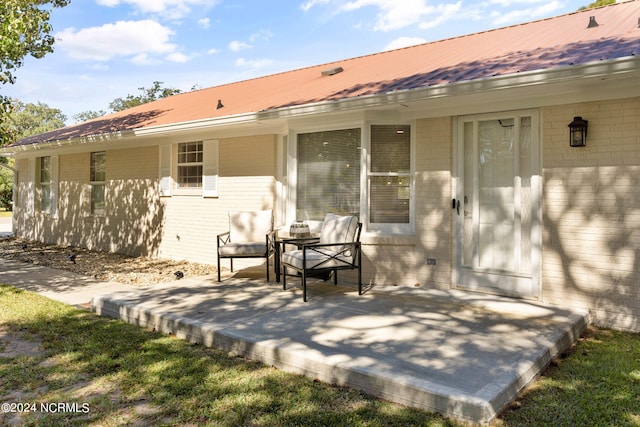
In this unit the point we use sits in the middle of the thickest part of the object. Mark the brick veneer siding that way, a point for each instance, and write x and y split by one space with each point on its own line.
591 212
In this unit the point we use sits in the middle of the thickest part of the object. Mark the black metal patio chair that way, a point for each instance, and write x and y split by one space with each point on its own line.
251 235
338 248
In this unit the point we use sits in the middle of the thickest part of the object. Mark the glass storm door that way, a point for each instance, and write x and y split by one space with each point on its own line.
497 209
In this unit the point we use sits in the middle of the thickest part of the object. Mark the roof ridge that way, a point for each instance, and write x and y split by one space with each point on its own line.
381 71
522 24
462 36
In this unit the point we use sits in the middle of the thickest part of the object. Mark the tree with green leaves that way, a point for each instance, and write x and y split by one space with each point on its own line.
148 95
25 120
24 30
33 119
598 3
88 115
6 184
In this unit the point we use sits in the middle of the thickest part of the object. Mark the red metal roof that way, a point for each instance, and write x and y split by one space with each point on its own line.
563 41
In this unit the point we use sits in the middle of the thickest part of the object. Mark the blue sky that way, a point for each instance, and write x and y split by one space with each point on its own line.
107 49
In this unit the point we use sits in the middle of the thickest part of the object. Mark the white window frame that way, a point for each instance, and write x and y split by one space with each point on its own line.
94 184
44 186
168 185
191 148
365 128
390 228
34 188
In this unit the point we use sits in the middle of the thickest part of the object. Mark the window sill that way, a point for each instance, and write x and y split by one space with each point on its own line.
187 192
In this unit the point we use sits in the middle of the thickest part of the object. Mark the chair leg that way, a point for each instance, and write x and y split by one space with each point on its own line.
284 278
267 267
218 268
359 272
304 285
335 277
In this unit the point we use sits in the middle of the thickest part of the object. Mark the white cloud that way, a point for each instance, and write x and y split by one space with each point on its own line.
261 35
253 63
404 42
204 23
392 14
237 46
141 59
444 13
172 9
510 3
311 3
395 14
528 14
135 39
177 57
213 51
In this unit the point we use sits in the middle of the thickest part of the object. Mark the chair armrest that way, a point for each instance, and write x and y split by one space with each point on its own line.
222 240
319 245
271 239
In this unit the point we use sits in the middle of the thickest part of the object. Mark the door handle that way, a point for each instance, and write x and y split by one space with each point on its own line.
455 204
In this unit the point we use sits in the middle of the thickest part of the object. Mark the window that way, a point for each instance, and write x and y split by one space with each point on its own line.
189 169
190 163
44 183
97 182
332 168
390 178
328 173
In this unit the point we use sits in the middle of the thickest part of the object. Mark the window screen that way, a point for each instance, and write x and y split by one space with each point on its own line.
390 175
328 173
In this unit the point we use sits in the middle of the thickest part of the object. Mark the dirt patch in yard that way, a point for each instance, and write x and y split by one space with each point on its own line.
15 345
138 271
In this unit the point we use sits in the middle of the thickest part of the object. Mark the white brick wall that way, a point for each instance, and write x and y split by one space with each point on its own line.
591 209
246 182
403 260
591 254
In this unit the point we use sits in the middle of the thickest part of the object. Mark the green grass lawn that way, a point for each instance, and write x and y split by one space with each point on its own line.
119 374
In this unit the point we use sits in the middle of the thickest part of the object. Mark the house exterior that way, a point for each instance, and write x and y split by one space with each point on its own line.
455 154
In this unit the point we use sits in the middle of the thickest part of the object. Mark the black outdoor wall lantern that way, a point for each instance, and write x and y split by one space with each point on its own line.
578 132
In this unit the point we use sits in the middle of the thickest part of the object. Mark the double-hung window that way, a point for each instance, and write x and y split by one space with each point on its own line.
190 158
97 172
390 177
189 169
44 184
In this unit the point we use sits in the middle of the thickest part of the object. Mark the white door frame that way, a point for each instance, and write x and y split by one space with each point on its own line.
526 285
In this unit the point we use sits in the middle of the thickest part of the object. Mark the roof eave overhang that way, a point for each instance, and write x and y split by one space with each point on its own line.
627 67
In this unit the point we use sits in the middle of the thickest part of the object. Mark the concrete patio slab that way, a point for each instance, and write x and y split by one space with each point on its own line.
466 355
461 354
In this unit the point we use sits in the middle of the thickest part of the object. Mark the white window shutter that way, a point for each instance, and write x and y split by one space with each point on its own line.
54 186
210 168
166 182
31 188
